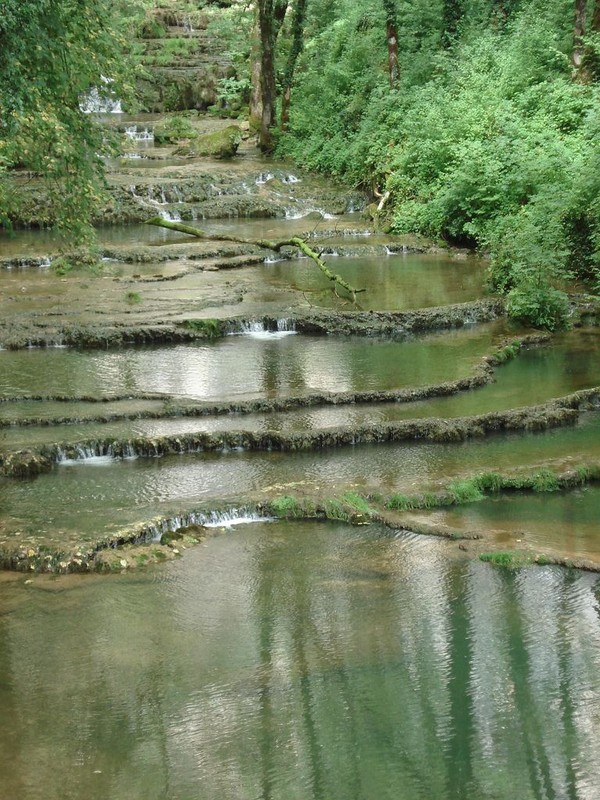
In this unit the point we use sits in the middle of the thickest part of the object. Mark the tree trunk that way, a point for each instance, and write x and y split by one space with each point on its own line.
392 41
290 67
286 99
266 23
590 69
596 17
255 115
266 244
578 34
453 12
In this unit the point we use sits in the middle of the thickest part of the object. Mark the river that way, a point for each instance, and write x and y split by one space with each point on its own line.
296 659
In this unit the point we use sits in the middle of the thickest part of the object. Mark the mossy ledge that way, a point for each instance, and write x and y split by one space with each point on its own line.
170 535
482 375
555 413
518 559
356 323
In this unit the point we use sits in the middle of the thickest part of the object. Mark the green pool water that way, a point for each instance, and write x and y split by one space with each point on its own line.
302 661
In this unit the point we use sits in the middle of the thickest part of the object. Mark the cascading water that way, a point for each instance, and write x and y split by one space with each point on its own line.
262 330
139 135
96 102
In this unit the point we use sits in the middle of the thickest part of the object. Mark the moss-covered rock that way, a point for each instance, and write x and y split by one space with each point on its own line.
173 130
219 144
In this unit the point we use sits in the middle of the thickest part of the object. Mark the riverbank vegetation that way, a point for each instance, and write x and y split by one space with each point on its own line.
487 137
474 122
56 58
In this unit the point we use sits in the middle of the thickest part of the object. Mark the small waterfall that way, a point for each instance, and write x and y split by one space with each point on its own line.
214 519
236 516
143 135
289 214
286 325
395 250
95 103
291 179
261 330
295 214
150 202
272 260
171 216
95 454
263 178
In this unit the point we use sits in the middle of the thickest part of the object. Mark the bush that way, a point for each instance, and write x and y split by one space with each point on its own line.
542 307
488 143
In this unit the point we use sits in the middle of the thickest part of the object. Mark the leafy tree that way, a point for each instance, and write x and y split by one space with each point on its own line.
297 43
52 52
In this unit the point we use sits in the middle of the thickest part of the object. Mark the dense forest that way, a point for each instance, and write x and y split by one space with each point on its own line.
471 121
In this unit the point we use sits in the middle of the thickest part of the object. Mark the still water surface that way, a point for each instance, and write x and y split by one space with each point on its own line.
305 661
243 367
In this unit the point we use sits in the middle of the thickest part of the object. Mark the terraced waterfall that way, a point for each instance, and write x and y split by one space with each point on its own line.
148 410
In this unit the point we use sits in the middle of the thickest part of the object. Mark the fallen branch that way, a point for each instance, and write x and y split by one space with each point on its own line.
266 244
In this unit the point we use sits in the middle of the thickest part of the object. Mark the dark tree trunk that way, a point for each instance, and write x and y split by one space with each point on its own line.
290 67
591 56
270 16
596 17
392 41
452 15
266 24
255 78
578 34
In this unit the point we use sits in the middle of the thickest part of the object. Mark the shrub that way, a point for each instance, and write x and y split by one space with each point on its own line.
465 491
540 306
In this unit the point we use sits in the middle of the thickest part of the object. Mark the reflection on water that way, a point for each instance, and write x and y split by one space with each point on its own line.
394 283
536 376
240 366
309 661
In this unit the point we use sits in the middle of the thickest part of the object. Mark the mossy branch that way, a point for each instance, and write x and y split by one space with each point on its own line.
266 244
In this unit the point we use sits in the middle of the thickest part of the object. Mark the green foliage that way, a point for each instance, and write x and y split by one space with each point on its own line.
335 510
52 52
209 328
286 506
233 91
86 259
170 50
487 141
465 491
357 502
545 481
402 502
543 306
490 482
62 266
133 298
507 353
174 129
507 560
